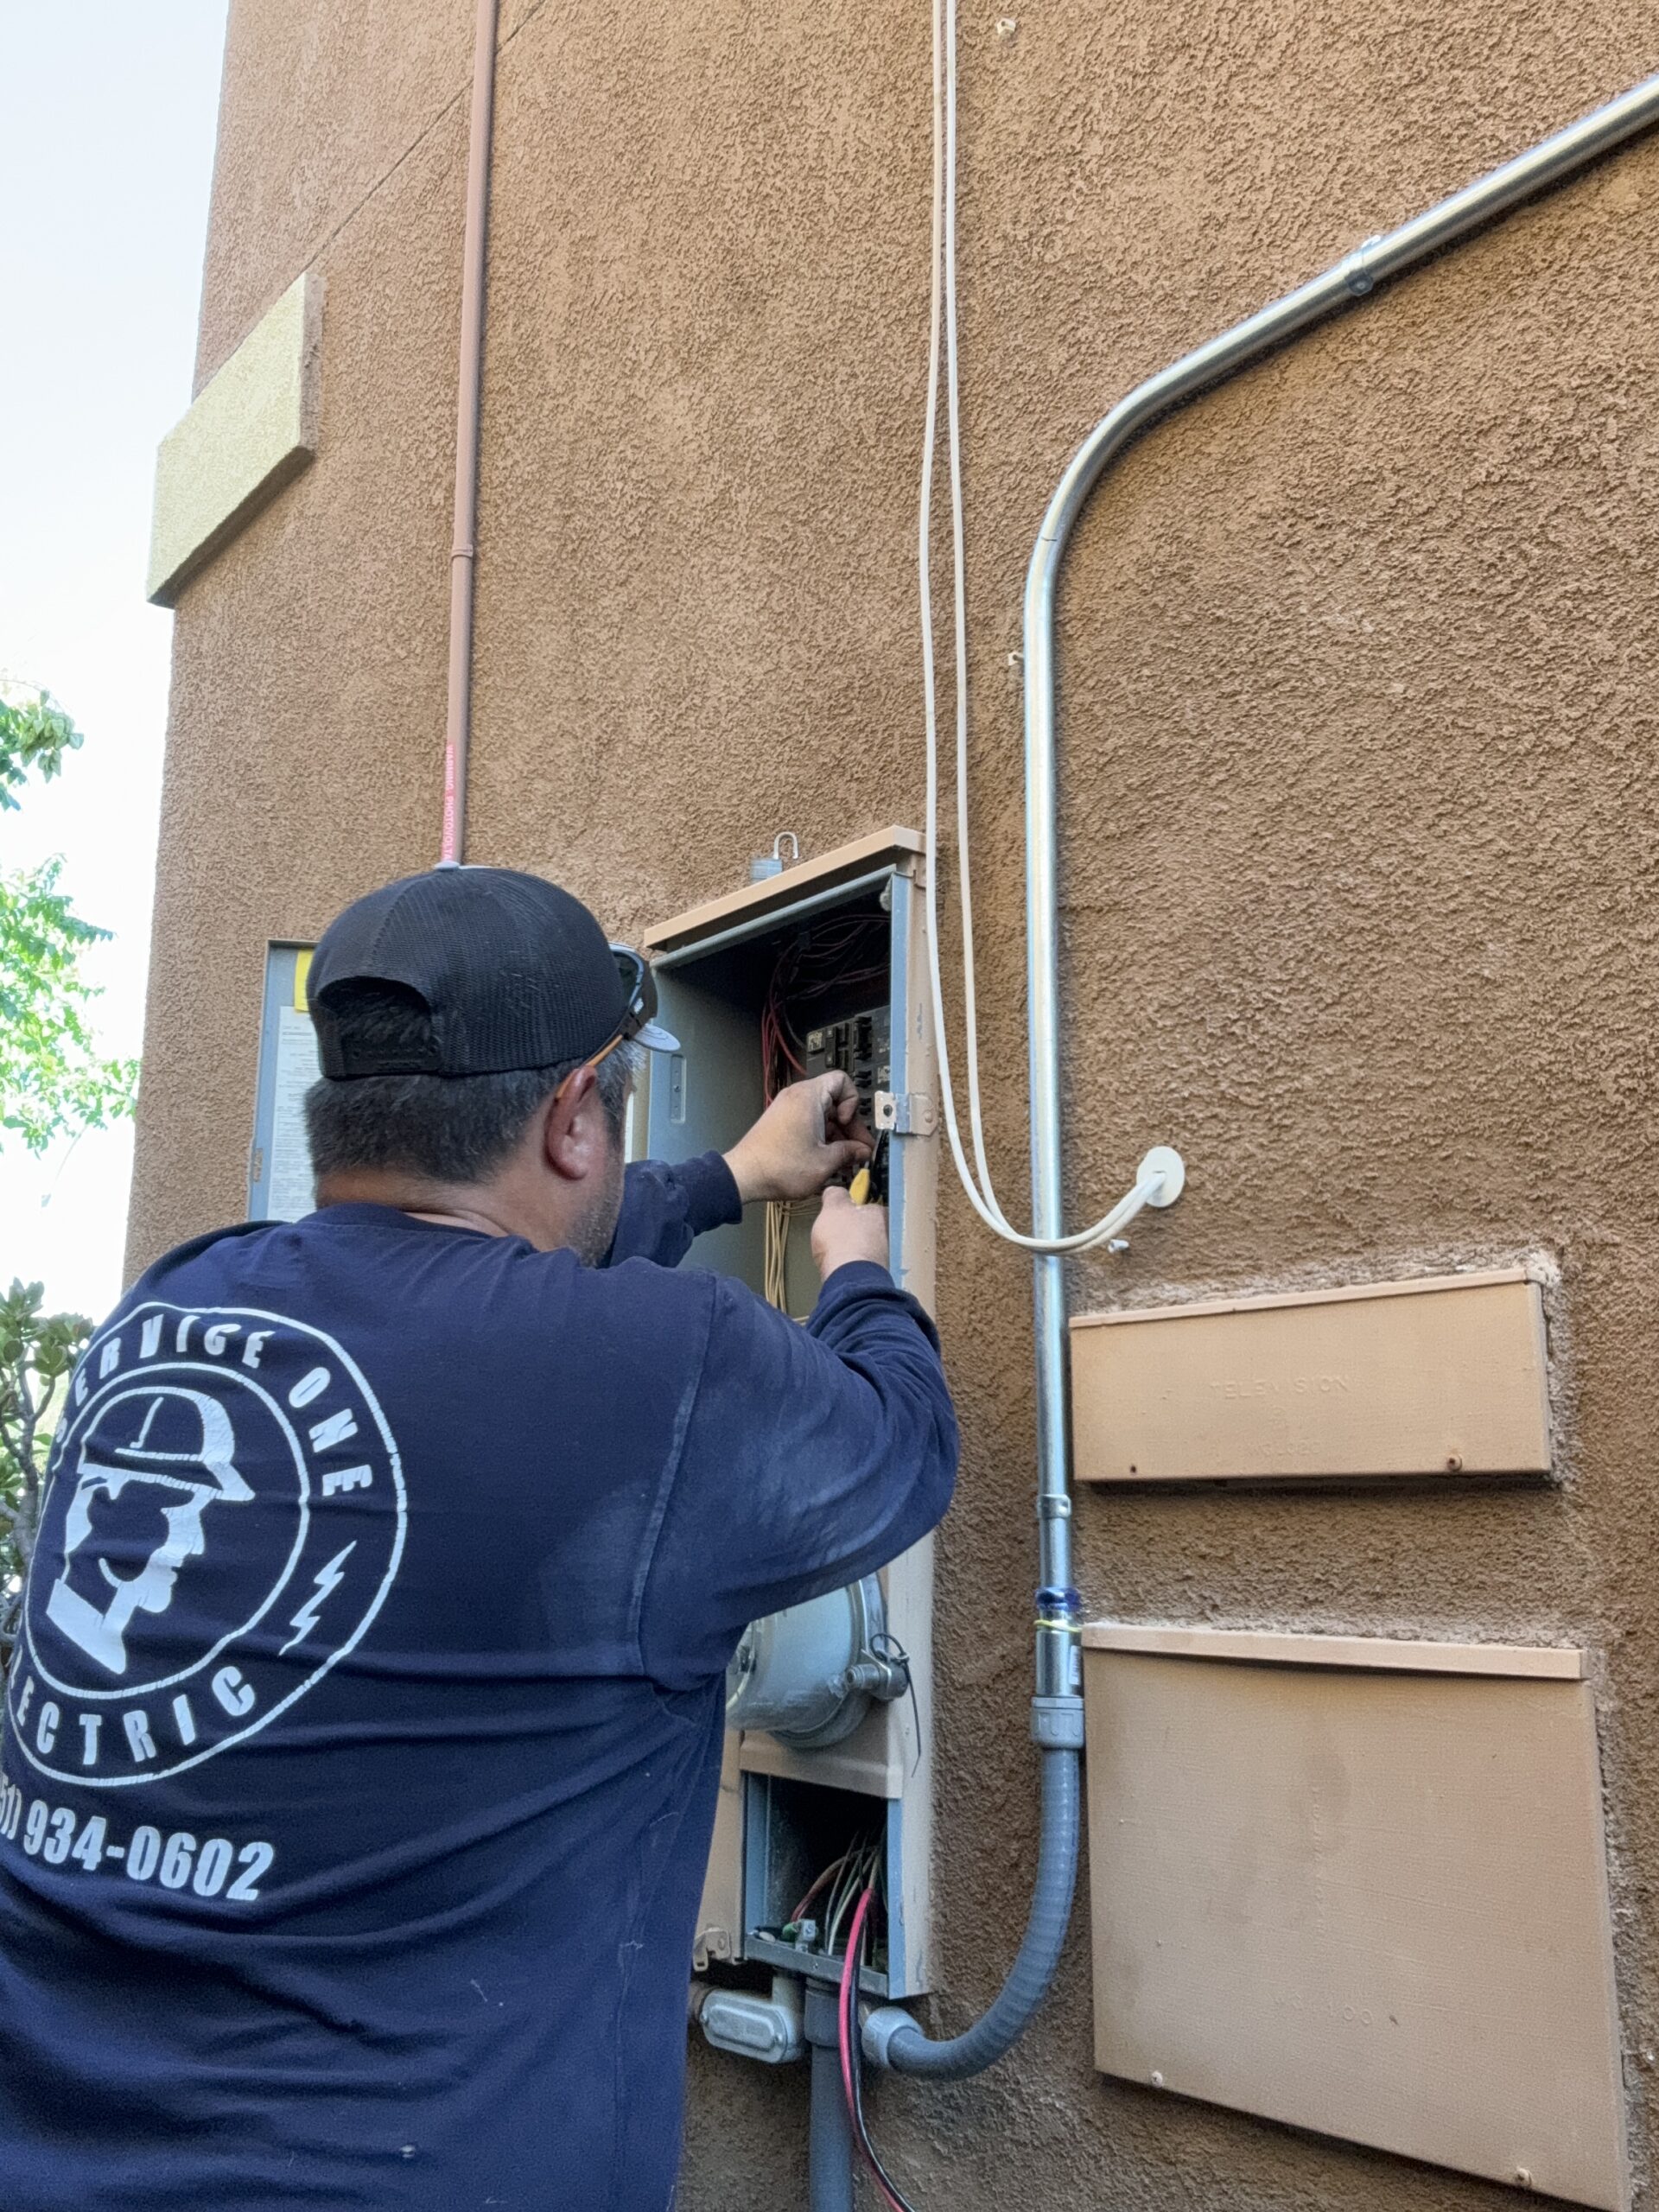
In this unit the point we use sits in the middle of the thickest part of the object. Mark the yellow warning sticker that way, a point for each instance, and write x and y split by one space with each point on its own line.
302 970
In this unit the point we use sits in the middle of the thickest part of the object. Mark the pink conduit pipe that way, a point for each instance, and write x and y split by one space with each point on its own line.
458 727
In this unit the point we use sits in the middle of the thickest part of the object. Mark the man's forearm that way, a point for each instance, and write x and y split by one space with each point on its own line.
664 1207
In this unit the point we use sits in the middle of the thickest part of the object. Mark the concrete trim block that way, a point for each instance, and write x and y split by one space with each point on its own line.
252 428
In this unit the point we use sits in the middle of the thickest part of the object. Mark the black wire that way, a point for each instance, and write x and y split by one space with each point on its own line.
855 2067
888 1647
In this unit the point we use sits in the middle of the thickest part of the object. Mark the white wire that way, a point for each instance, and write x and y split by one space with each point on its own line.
941 339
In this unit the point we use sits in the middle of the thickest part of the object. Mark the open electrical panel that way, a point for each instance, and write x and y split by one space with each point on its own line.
823 966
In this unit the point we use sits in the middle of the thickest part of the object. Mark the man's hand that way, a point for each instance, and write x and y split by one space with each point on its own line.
808 1134
844 1232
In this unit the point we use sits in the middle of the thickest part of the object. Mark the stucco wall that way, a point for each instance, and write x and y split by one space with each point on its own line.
1361 826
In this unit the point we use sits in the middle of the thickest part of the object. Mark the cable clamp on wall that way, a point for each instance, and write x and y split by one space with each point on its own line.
1355 269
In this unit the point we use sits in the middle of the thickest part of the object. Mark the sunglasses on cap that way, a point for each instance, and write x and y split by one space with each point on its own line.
638 1014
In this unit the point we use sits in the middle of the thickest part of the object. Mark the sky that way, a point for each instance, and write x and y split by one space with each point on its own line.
105 164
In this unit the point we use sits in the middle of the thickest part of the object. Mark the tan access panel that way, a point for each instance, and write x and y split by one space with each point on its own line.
1368 1902
1445 1374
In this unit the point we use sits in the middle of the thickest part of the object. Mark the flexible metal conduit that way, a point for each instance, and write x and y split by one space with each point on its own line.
892 2039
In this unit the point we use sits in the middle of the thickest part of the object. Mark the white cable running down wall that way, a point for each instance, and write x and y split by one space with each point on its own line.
942 341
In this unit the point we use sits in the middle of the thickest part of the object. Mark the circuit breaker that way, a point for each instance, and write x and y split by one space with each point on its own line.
861 1047
828 1761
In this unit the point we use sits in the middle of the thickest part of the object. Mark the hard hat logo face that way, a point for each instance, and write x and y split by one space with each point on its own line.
223 1518
127 1445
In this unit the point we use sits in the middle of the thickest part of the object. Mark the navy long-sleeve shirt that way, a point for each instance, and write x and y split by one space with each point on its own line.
363 1740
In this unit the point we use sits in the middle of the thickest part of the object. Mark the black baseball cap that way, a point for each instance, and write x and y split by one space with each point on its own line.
510 972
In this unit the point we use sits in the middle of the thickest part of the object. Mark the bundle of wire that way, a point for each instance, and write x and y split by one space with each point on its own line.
831 958
975 1176
852 2054
780 1212
859 1868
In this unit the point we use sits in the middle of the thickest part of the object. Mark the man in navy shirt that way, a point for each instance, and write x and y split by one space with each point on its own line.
363 1737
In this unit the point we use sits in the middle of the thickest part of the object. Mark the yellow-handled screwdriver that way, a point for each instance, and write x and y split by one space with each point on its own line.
861 1187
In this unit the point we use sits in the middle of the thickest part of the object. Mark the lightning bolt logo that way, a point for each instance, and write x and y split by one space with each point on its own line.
329 1579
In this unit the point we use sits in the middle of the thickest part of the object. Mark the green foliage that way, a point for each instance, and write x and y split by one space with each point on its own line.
52 1077
35 735
37 1355
52 1080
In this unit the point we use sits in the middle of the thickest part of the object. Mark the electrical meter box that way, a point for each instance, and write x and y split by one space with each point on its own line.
821 966
279 1160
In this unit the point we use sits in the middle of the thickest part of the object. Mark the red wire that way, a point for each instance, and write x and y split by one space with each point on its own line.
847 2006
848 1993
808 970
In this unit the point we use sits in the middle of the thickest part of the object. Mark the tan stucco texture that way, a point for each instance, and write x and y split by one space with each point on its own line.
1360 808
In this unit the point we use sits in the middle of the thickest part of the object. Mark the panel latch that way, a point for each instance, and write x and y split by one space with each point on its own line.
905 1113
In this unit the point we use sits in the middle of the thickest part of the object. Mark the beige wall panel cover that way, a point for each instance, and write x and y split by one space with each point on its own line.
1437 1376
252 428
1374 1904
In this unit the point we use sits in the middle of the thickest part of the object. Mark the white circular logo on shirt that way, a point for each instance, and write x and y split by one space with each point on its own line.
223 1519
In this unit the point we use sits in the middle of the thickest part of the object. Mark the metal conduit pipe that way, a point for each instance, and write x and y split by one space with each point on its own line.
463 552
1351 279
891 2036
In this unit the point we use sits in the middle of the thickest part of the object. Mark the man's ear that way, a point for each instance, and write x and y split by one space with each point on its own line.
574 1132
